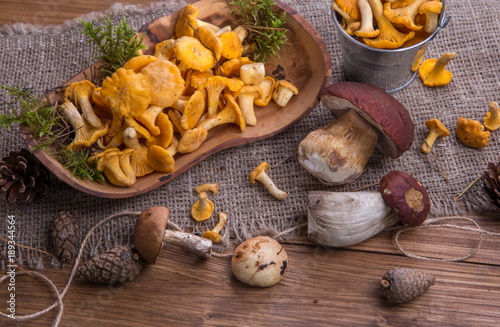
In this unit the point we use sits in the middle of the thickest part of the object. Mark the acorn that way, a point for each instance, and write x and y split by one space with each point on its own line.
401 285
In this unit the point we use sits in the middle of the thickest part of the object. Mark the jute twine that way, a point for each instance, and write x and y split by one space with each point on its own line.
429 223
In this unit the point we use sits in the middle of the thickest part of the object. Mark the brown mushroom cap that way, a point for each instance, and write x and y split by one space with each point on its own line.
407 196
377 107
150 231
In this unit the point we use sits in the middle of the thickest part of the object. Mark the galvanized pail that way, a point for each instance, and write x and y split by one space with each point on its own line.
390 69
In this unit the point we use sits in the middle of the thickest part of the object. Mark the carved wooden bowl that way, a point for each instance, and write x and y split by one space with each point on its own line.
304 61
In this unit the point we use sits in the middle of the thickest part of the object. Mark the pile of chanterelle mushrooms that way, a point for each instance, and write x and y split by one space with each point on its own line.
156 106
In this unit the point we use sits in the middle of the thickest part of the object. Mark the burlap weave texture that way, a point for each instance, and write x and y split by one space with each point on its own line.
44 58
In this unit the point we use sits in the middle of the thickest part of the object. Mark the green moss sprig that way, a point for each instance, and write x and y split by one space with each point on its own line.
264 25
47 127
116 44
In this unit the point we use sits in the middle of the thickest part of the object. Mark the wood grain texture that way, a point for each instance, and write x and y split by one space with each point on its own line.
322 287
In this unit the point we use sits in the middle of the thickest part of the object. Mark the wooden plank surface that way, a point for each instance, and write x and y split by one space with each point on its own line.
322 287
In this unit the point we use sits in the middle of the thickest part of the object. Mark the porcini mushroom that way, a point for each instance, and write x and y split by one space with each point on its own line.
433 71
260 174
214 234
492 118
338 153
340 219
436 129
259 261
151 232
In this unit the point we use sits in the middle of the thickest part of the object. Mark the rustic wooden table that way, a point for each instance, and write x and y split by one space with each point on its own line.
322 287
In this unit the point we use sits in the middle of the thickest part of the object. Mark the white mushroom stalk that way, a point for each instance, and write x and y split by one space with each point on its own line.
340 219
196 245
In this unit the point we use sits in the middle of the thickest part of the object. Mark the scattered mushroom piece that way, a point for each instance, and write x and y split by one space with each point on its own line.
433 71
138 158
337 153
389 37
193 54
366 29
203 208
471 133
151 232
85 134
340 219
259 261
165 81
127 94
404 16
431 10
214 234
283 92
212 187
260 174
80 93
436 129
492 118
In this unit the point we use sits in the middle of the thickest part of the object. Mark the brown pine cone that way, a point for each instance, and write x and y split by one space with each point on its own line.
22 177
491 183
65 237
117 265
401 285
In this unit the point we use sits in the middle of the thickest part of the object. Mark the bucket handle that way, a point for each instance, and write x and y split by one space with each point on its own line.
445 19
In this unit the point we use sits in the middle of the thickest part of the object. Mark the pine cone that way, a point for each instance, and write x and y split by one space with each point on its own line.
22 177
491 183
401 285
65 237
120 264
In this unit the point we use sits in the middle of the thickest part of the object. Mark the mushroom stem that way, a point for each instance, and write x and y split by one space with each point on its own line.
429 141
442 61
199 246
270 186
221 223
338 153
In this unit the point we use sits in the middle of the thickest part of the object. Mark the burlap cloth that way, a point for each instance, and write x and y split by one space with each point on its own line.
44 58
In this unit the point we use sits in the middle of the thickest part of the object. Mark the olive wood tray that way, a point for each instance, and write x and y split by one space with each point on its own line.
304 61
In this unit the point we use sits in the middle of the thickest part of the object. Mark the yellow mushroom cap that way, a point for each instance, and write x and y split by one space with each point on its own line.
210 40
213 236
193 54
165 81
137 63
263 167
231 45
471 133
203 208
433 72
160 159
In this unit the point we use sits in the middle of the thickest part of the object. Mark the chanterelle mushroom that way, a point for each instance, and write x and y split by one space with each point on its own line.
260 261
433 71
471 133
436 129
151 232
341 219
259 173
80 94
338 153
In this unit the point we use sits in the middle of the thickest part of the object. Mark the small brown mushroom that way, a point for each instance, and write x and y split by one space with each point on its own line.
367 118
260 261
151 232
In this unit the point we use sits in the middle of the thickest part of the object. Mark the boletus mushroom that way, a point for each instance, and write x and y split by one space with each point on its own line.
259 261
151 232
340 219
367 117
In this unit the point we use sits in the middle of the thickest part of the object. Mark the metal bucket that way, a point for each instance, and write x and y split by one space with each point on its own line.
390 69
